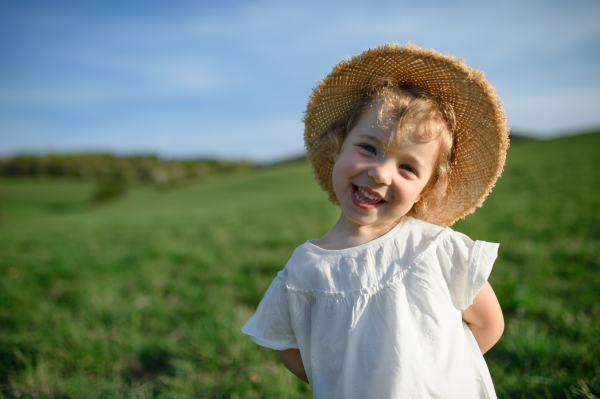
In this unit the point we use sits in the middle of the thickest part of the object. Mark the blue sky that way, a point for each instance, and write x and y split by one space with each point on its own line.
231 79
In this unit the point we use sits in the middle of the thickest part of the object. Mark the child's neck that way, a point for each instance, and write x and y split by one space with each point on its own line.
345 234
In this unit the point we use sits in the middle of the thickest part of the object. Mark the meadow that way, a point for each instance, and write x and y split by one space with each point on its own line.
145 296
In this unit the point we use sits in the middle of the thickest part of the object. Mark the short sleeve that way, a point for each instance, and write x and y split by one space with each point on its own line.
466 265
271 325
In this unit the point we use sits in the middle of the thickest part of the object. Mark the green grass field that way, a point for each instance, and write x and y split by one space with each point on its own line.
145 296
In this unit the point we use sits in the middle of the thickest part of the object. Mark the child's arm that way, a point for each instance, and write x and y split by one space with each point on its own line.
292 360
484 318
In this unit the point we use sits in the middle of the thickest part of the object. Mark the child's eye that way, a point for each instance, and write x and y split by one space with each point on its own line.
407 168
369 148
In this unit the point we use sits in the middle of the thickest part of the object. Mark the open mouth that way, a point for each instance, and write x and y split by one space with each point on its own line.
364 197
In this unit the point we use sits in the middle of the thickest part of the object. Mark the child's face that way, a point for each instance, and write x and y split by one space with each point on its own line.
375 186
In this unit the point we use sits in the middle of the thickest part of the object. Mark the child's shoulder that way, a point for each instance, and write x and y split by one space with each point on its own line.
423 228
429 235
305 255
303 271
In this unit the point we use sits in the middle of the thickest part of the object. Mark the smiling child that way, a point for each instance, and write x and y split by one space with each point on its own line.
391 302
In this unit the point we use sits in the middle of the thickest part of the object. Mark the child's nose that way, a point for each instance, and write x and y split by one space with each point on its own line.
382 172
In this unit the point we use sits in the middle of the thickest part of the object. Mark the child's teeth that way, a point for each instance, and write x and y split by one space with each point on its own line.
358 197
369 196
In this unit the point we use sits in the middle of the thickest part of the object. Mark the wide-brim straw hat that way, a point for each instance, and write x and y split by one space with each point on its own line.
481 131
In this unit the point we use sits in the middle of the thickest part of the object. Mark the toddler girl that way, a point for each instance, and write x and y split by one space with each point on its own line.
392 303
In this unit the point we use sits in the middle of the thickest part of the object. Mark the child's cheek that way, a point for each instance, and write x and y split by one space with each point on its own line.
336 180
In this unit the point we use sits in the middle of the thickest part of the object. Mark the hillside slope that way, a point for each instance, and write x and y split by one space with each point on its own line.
145 296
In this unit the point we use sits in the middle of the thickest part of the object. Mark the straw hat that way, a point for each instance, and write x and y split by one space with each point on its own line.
481 134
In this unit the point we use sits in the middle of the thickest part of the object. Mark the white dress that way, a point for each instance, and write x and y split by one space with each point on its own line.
382 319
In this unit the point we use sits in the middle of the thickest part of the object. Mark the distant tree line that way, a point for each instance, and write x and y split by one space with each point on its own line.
145 169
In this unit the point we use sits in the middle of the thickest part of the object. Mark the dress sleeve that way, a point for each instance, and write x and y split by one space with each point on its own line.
466 265
271 325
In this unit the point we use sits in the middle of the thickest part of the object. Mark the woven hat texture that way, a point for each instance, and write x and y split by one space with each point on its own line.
481 131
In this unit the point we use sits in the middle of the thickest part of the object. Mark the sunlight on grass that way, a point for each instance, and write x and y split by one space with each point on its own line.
145 296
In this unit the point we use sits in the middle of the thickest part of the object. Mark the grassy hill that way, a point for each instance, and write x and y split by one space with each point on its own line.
145 296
